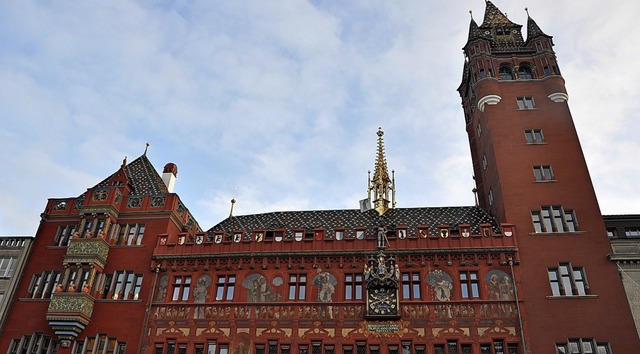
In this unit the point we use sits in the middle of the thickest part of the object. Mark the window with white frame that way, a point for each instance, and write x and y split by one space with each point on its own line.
583 346
543 173
525 102
567 280
534 136
7 266
554 218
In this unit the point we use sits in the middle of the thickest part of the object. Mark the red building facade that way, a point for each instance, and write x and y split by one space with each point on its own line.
530 170
124 267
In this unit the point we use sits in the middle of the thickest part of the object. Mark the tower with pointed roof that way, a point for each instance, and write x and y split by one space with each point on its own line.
529 169
383 187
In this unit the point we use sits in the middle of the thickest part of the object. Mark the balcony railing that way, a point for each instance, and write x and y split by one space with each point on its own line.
313 311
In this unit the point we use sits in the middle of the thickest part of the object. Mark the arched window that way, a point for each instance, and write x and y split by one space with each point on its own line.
525 72
506 73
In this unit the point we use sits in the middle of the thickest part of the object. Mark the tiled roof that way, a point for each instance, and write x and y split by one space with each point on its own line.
354 218
533 30
143 178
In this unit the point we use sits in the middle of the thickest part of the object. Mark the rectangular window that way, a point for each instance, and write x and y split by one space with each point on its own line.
478 129
225 287
121 285
297 286
469 285
485 163
534 136
566 280
554 219
583 346
7 266
128 234
490 197
43 285
211 347
353 286
411 286
525 102
543 173
181 288
632 232
347 349
65 232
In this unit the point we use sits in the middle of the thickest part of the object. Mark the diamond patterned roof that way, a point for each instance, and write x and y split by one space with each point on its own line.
143 178
350 219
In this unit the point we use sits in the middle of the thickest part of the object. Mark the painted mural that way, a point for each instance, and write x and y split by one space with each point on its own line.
201 290
442 284
326 283
500 285
259 290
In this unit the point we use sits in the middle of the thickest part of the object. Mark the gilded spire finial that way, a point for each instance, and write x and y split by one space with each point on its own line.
381 185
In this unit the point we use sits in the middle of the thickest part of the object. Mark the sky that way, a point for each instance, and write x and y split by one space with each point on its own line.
277 103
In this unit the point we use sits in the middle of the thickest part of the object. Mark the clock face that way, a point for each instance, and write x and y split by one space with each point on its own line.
383 302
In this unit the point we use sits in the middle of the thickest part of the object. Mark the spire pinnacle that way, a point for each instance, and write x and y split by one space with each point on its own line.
382 186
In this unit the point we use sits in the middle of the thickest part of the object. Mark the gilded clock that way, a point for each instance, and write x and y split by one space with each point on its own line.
383 301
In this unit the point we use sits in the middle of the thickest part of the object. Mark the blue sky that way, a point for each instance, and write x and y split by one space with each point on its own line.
276 103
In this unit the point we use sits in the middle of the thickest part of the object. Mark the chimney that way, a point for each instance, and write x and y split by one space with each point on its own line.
169 175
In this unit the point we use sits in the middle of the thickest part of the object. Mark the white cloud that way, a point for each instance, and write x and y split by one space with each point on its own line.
281 100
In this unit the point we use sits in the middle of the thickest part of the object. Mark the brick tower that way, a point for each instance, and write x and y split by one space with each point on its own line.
529 169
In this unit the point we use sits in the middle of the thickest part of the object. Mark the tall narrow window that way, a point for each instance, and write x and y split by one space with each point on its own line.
566 280
225 287
297 286
484 162
65 232
469 285
353 286
534 136
181 288
490 197
543 173
411 286
7 266
525 102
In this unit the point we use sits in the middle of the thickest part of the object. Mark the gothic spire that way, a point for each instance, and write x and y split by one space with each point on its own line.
533 30
493 16
382 186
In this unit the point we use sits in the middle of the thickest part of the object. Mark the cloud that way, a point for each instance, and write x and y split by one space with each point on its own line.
277 103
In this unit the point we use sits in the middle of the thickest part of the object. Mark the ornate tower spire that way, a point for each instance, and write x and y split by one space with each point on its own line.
383 187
